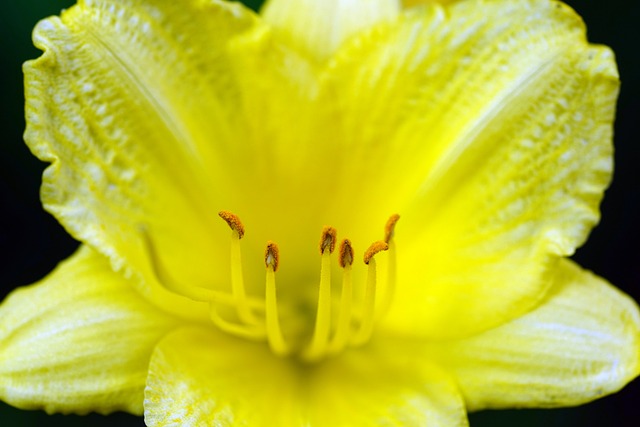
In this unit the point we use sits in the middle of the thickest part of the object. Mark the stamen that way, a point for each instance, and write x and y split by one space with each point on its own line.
274 333
258 319
320 339
363 334
389 291
237 280
343 329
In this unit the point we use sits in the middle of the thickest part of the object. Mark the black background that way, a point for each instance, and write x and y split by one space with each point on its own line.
33 243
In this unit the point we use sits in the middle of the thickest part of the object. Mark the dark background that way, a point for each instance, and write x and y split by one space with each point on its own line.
33 243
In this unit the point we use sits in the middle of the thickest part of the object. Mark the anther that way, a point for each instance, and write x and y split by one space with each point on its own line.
233 221
328 239
375 247
389 228
272 256
346 253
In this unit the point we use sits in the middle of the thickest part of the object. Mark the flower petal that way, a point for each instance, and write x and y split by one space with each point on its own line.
412 3
79 341
198 377
487 126
130 101
582 343
318 28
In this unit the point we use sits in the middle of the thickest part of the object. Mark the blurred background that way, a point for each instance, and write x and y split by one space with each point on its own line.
32 242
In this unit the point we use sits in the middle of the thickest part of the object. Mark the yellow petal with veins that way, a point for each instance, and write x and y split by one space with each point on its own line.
79 341
202 378
485 124
488 128
129 102
582 343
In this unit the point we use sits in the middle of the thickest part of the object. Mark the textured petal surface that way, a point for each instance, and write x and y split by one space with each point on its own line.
197 378
127 102
78 341
582 343
487 126
411 3
318 28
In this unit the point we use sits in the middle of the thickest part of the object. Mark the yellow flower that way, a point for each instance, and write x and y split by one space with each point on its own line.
486 125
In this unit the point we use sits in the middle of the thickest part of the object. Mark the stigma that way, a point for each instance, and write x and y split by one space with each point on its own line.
341 317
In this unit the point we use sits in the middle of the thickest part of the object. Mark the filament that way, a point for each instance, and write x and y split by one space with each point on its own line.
390 288
274 333
236 312
320 339
363 334
343 328
254 333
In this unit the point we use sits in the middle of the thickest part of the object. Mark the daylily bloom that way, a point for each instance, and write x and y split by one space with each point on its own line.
334 213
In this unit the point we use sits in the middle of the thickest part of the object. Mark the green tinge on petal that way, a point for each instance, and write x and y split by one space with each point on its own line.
488 127
582 343
199 378
78 341
318 28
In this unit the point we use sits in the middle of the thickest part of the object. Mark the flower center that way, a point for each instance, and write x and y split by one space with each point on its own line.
339 319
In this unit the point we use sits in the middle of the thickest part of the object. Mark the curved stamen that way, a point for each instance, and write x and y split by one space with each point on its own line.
274 333
237 281
390 288
320 339
363 334
196 293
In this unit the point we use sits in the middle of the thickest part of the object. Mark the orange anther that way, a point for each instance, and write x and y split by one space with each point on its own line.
375 247
346 253
272 255
328 239
233 221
